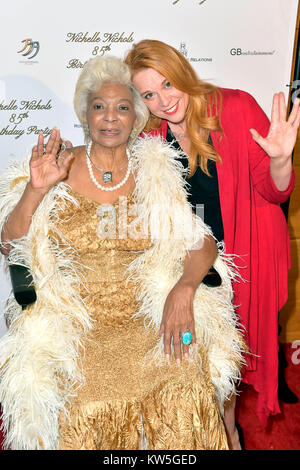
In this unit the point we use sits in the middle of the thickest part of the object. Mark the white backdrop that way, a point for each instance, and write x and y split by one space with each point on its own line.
232 43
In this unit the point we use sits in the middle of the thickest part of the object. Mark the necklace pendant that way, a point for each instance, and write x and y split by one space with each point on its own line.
107 177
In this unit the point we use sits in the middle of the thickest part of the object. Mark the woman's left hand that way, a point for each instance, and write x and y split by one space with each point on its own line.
282 135
178 318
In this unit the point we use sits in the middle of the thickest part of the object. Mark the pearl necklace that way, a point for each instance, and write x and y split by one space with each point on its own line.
99 186
106 171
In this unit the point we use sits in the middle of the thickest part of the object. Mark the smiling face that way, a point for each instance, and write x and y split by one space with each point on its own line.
110 115
162 99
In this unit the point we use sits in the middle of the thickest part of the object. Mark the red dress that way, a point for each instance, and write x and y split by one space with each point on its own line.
256 231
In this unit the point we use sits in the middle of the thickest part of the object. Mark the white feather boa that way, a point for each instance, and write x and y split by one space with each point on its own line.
162 197
40 353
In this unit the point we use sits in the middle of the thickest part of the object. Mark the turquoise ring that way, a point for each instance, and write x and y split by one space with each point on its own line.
186 338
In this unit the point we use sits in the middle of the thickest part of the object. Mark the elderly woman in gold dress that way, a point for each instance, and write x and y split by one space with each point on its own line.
125 347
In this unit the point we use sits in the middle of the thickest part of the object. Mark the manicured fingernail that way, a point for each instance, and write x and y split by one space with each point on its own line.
168 357
178 361
186 355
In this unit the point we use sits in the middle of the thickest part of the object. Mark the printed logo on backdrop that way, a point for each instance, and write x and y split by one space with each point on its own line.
18 112
30 50
237 51
18 116
184 52
101 43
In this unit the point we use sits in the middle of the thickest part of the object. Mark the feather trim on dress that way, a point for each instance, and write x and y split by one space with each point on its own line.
40 354
161 192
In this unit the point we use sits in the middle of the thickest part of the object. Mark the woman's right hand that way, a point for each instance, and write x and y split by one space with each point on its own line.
46 168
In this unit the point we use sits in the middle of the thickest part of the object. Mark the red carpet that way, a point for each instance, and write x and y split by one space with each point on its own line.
283 431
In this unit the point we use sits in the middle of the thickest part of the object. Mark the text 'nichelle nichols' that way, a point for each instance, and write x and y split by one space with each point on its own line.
106 37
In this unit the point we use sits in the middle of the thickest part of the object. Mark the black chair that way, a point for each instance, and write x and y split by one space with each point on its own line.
212 278
22 285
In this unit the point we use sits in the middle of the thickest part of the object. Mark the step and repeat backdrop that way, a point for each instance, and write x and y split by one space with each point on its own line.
231 43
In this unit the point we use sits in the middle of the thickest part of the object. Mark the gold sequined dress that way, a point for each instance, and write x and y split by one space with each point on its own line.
128 402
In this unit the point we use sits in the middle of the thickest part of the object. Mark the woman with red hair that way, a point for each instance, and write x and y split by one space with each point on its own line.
240 169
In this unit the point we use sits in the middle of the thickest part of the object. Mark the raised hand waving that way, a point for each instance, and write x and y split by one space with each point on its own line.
46 167
282 135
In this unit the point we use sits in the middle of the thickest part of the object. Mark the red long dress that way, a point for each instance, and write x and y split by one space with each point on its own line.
254 229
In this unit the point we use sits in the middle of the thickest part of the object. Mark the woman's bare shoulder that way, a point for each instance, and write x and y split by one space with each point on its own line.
78 150
76 170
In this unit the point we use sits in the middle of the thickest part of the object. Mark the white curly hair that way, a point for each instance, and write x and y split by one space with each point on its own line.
101 70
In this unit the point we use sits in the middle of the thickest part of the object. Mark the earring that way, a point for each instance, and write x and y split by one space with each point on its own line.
86 131
133 135
85 128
